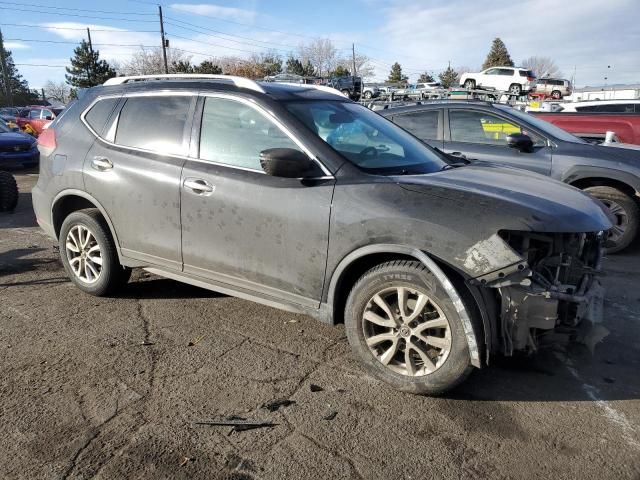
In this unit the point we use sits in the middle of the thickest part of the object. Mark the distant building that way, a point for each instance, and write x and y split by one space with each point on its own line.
608 92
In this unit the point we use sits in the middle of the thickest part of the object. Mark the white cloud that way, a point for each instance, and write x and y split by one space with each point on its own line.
16 46
229 13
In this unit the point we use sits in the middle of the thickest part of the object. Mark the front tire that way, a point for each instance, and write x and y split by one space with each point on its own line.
89 254
469 84
626 212
367 95
515 89
404 328
556 95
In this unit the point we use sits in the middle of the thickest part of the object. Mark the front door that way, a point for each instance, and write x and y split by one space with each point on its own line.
480 135
134 172
242 227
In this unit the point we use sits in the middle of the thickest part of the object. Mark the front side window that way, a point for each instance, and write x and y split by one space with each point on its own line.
154 123
234 133
369 141
491 71
35 114
423 125
474 126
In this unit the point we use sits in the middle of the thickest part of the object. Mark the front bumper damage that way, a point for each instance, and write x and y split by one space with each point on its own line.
554 287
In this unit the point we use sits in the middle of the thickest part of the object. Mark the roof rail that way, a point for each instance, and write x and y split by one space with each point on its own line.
240 82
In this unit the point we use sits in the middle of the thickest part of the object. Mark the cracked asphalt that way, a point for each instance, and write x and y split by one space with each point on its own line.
113 388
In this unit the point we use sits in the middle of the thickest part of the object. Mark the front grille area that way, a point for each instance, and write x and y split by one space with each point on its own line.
22 147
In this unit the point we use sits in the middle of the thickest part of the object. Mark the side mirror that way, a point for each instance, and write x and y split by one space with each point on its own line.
521 142
288 163
48 117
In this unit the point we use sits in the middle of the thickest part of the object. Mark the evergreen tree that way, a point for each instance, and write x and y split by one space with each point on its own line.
296 67
308 70
87 70
340 71
395 75
19 93
181 66
498 56
449 78
426 77
208 67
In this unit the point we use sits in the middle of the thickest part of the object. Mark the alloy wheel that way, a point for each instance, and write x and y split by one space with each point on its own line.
622 219
83 254
407 331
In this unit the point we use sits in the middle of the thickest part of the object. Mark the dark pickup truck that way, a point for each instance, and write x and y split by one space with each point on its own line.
594 126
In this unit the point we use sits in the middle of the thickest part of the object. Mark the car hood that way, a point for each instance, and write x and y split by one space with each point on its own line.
15 138
621 154
515 198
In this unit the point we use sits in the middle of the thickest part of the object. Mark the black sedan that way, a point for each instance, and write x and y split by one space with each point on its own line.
486 132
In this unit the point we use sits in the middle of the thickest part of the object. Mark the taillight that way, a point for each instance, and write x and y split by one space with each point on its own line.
47 138
531 79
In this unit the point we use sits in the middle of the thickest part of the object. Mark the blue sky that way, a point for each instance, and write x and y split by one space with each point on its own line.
589 35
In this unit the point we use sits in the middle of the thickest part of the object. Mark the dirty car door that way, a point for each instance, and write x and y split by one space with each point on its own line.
480 135
133 170
243 227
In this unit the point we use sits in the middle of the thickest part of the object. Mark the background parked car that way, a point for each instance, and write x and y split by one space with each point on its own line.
17 149
36 117
513 79
370 91
554 87
602 106
503 135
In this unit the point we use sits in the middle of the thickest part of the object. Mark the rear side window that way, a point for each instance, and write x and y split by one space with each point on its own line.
423 125
526 73
97 116
154 123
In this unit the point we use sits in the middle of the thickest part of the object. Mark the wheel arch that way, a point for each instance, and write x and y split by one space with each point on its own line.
600 181
355 264
69 201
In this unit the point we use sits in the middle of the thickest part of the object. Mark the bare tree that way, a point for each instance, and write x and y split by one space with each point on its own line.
59 91
149 61
542 66
364 68
322 54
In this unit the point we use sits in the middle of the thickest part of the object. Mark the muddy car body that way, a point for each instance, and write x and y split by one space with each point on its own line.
344 216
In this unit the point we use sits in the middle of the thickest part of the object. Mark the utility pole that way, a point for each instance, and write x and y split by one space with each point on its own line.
92 60
353 59
164 41
5 73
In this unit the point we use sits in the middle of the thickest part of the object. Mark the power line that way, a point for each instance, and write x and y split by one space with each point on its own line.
45 27
93 17
39 65
33 40
12 4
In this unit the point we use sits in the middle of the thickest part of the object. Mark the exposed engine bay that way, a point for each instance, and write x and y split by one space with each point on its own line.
555 288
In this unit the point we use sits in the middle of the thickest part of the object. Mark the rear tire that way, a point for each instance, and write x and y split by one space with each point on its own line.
394 349
367 95
470 84
627 213
515 89
89 253
346 93
8 192
556 95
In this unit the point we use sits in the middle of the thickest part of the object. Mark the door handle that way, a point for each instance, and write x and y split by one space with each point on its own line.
101 163
198 185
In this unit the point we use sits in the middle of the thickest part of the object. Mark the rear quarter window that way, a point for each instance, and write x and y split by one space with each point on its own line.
98 115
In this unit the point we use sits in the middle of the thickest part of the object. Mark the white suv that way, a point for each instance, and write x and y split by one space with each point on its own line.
512 79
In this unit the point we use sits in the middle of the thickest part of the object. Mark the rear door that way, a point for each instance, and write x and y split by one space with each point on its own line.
241 227
481 135
427 125
134 169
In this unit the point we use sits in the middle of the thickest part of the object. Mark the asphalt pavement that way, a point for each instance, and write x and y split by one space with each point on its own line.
117 387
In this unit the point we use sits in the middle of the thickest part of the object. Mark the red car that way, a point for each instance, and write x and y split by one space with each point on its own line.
36 116
593 126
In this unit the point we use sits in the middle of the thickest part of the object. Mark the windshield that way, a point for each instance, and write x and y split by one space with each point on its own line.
366 139
541 125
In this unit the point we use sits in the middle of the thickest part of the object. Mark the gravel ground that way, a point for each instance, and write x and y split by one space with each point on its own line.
113 388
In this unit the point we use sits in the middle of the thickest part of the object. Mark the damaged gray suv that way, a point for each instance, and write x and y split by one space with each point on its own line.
294 197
